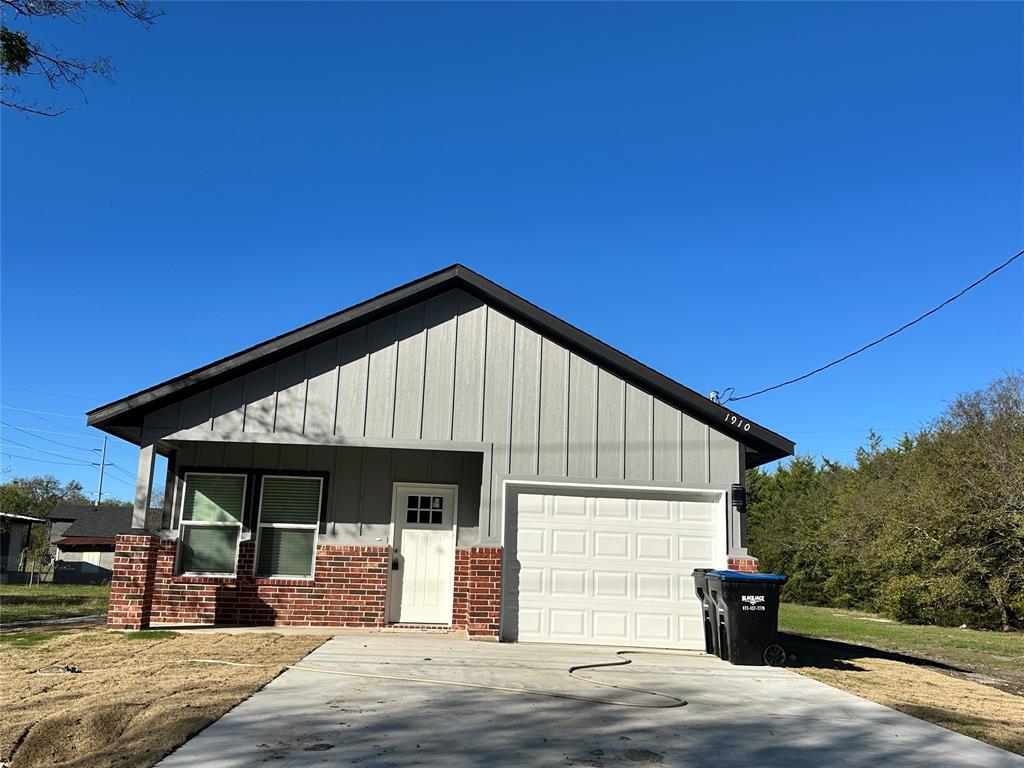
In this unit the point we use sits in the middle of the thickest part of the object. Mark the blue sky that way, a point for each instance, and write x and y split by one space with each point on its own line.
731 193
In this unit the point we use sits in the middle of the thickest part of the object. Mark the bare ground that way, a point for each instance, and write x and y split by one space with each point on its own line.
135 699
932 690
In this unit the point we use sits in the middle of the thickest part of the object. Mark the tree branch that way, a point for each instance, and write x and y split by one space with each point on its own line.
33 110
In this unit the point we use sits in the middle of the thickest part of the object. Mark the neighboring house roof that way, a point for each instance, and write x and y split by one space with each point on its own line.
22 518
69 512
103 522
124 417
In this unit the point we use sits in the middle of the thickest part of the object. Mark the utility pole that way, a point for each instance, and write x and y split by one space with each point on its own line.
103 465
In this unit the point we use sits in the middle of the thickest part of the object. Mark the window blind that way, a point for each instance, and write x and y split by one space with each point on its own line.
208 549
293 500
285 552
289 518
214 498
211 523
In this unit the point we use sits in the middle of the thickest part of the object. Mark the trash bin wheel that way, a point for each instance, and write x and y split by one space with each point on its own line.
774 655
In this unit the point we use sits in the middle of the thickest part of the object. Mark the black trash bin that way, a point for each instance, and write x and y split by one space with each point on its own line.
700 586
747 616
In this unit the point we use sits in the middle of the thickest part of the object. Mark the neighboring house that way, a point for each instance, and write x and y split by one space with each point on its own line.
61 518
15 533
85 547
443 455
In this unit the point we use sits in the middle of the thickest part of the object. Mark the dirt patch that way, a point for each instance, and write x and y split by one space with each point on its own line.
134 700
924 688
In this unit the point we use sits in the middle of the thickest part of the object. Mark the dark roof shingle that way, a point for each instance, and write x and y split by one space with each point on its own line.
100 522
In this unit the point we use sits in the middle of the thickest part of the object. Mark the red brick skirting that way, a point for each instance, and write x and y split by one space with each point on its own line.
349 589
131 586
744 564
477 604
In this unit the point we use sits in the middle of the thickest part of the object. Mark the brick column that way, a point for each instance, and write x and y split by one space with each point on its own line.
133 581
744 564
477 604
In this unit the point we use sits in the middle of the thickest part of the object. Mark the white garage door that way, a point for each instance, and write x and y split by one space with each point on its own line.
608 570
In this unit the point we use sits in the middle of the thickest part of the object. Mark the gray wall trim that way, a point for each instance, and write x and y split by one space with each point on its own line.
330 440
641 485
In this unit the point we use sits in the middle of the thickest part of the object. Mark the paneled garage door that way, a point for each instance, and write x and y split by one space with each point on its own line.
609 570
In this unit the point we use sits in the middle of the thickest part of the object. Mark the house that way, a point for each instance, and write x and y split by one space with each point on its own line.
84 543
61 518
446 455
82 540
15 534
66 514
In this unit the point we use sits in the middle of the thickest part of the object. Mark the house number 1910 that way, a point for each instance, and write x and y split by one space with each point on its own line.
737 422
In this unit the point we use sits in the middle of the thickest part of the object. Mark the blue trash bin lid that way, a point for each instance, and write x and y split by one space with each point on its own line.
773 578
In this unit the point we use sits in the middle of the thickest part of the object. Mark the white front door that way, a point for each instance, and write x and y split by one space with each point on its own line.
423 554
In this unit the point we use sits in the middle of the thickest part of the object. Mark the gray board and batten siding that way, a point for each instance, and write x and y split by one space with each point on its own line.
357 510
451 373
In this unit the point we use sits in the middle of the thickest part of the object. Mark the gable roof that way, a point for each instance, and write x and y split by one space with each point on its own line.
103 522
124 417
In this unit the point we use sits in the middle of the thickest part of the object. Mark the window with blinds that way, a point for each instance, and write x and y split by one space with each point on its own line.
289 521
211 524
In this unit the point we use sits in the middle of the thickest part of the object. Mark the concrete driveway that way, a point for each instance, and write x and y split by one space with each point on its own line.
735 716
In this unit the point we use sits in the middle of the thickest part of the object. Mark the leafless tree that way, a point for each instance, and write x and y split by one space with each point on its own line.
23 56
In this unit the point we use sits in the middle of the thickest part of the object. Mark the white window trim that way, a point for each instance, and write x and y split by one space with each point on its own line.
182 522
315 527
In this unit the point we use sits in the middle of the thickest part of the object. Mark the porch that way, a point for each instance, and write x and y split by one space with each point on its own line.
262 534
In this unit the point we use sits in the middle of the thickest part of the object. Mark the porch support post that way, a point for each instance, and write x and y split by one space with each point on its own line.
143 486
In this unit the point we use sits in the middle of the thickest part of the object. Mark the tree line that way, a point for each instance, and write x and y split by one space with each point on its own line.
929 531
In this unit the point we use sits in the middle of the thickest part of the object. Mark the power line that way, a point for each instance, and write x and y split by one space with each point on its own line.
20 445
864 430
51 421
112 465
115 477
54 394
47 439
130 484
58 442
53 432
41 450
67 434
47 461
889 335
46 413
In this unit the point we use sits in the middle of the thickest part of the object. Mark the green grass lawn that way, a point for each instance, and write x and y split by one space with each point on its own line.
19 602
968 647
966 680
